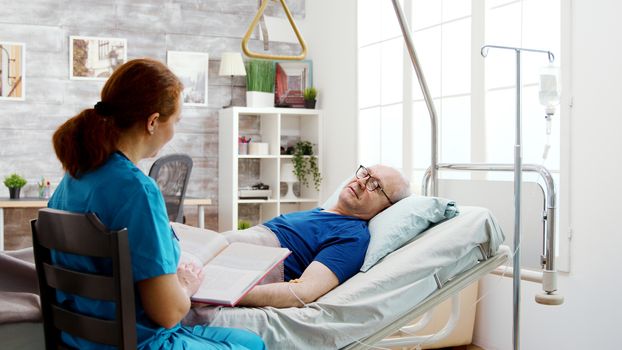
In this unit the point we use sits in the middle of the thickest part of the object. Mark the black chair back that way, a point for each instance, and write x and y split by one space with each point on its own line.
83 234
172 173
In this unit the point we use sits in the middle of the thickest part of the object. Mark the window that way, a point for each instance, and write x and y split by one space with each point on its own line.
380 85
474 97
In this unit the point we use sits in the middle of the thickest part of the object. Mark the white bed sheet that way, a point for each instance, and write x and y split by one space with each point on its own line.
371 300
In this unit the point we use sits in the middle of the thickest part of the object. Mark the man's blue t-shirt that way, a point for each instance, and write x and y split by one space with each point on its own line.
337 241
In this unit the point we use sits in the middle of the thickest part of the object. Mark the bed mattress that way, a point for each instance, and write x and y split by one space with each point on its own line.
372 300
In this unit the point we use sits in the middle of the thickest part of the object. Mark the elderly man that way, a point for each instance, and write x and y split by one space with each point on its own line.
328 244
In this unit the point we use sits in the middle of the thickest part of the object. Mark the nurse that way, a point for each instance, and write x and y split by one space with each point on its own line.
99 149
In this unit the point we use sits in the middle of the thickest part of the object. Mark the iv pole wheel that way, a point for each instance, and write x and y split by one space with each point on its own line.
549 299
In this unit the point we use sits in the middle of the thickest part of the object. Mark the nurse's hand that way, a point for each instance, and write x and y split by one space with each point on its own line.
190 277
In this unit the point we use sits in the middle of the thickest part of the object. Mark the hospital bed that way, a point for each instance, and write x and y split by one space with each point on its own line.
405 284
374 304
368 307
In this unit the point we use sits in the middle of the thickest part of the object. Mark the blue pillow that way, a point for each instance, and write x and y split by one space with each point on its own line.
400 223
403 221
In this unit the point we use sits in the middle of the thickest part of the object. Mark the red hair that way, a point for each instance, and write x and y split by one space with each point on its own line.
134 91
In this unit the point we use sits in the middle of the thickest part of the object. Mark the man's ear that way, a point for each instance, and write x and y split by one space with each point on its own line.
152 123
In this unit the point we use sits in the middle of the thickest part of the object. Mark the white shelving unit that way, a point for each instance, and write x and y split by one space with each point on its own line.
277 127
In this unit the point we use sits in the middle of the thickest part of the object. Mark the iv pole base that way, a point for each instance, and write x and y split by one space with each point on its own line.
549 299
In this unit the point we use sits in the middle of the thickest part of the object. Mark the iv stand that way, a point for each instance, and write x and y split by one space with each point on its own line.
518 165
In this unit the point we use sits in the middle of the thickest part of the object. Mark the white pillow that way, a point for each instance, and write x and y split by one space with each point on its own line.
400 223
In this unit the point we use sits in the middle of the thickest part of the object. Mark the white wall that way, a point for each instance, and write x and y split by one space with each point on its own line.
592 313
330 31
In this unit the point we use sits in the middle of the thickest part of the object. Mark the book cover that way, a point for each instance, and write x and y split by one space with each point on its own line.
230 271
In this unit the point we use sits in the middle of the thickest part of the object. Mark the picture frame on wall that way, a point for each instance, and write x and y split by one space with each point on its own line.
192 68
95 58
12 71
291 79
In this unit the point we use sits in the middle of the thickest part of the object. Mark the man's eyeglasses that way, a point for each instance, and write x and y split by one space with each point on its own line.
372 183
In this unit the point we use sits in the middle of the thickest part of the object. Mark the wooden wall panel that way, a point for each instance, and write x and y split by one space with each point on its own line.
151 27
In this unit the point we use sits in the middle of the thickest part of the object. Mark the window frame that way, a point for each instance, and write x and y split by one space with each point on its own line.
478 109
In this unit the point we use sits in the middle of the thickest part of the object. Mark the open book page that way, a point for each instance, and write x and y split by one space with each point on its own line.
233 272
224 286
198 245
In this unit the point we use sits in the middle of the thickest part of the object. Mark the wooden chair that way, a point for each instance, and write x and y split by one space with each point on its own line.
172 173
83 234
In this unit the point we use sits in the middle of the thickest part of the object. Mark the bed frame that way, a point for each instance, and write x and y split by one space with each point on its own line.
450 289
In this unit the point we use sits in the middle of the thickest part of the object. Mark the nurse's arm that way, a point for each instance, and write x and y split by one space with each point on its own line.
165 301
316 280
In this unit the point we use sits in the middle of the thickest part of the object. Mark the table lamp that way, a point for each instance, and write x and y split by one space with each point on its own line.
288 176
231 64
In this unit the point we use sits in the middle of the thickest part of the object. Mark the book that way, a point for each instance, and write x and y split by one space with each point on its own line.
230 271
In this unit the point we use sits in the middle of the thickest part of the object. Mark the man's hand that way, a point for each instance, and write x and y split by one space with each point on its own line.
316 280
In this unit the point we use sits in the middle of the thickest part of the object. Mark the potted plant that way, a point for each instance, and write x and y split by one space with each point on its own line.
244 224
260 83
309 96
15 183
305 164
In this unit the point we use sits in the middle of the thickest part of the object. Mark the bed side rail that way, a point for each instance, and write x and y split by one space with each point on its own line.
547 258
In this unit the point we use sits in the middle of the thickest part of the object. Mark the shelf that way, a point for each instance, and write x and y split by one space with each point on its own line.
289 156
277 127
256 201
274 110
256 156
300 200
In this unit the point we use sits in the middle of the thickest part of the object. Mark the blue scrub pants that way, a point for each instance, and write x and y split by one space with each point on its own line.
204 337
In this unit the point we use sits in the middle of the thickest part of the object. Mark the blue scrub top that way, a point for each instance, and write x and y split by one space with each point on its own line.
121 196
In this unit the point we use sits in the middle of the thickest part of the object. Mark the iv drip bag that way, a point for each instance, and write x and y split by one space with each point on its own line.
549 86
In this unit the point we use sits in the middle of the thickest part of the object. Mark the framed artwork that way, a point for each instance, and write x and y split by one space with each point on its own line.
94 58
192 70
291 79
12 71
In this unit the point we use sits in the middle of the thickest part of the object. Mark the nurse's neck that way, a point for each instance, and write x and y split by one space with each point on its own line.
132 147
128 155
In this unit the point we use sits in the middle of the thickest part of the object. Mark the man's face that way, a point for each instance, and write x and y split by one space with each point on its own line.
362 202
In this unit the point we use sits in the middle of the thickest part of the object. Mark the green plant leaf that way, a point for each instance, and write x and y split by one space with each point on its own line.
310 94
260 75
305 164
15 181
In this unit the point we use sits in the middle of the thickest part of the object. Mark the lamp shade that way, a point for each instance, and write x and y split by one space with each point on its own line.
231 64
287 172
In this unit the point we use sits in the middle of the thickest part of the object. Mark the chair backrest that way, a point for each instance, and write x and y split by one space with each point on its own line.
83 234
172 173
